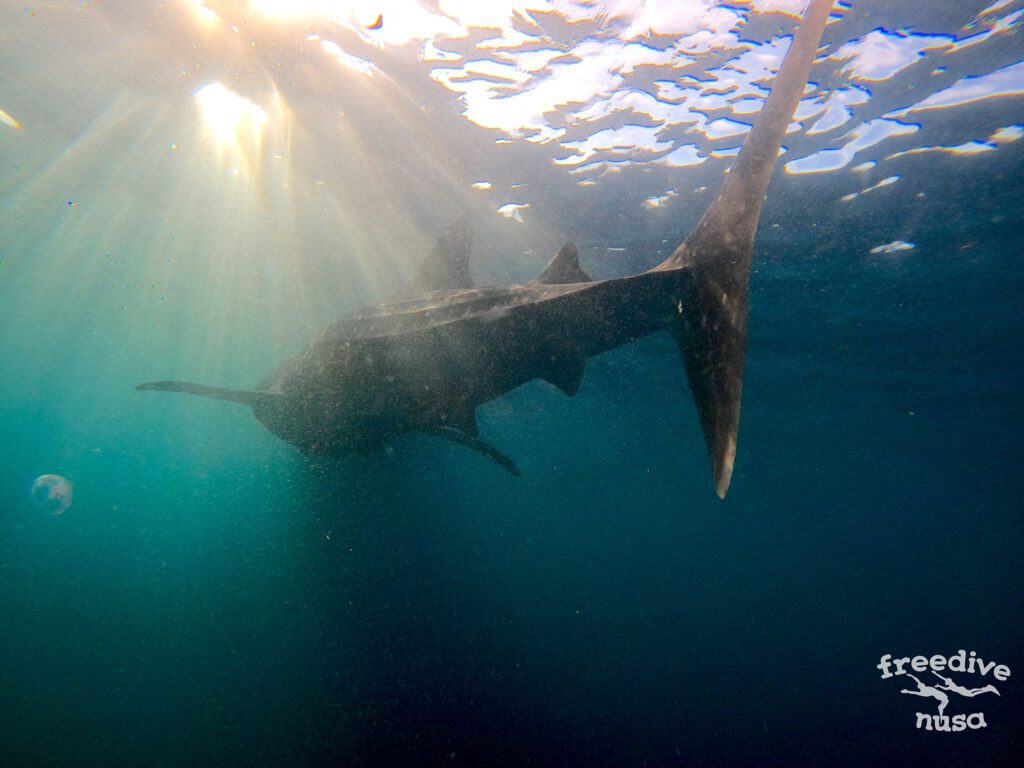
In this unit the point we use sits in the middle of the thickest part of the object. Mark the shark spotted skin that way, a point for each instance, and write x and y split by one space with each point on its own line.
425 364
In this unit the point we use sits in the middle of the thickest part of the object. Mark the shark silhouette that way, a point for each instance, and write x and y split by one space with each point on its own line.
427 363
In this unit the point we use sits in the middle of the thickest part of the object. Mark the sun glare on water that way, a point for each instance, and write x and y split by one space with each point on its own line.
204 14
332 9
231 120
290 9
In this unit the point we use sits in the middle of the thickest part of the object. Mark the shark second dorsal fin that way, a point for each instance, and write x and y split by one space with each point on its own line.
447 264
460 437
564 268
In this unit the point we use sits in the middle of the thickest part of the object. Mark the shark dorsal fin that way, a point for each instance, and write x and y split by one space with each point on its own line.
564 268
447 264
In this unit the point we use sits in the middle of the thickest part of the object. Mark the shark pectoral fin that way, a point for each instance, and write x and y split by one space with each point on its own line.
244 396
447 264
567 374
460 437
564 268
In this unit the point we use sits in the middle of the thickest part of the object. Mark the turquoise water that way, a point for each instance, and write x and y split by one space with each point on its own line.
212 597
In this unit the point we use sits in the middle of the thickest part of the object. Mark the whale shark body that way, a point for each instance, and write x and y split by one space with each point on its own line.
425 364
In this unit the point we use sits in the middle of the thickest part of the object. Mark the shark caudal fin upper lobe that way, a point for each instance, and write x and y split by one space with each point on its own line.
711 327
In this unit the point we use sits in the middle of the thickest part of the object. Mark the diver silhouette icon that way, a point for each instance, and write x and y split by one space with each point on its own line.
928 691
969 692
938 691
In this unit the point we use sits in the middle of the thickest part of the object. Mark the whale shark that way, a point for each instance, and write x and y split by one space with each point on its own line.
426 363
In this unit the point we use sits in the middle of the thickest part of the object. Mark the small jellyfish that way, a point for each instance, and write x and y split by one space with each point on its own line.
52 493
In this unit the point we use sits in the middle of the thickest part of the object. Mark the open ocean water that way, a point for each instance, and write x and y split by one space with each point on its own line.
211 597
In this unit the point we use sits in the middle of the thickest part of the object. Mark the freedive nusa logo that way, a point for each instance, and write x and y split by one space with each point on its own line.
937 684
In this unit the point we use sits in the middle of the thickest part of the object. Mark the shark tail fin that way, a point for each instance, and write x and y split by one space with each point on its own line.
711 323
243 396
711 335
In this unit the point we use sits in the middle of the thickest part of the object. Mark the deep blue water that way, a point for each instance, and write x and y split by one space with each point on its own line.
213 598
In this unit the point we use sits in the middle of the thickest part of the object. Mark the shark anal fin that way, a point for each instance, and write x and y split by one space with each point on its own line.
447 264
567 374
564 268
460 437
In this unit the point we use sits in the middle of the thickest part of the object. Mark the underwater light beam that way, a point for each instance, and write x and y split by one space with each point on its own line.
227 115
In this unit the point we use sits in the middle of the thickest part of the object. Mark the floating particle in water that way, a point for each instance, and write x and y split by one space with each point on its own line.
8 119
52 493
893 247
